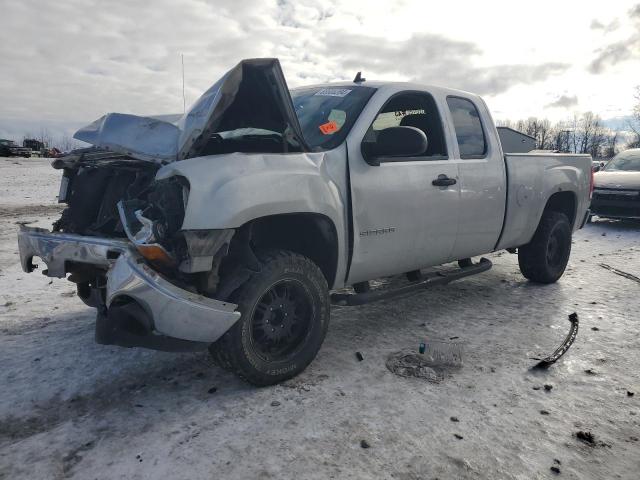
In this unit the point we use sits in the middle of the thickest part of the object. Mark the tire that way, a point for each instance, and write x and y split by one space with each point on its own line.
544 259
285 316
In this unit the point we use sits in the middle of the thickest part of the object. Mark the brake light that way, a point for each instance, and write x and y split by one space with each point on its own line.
591 185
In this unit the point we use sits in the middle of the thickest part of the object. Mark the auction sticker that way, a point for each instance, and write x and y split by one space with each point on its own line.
329 127
333 92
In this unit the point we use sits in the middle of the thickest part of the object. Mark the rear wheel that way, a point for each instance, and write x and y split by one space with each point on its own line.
285 317
545 258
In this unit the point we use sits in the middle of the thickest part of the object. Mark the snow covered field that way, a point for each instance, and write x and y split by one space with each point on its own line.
72 409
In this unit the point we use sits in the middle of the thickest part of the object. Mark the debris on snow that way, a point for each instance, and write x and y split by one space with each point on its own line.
548 387
620 272
359 356
586 437
562 349
364 444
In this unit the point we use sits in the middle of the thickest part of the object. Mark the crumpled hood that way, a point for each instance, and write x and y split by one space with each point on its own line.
617 179
253 94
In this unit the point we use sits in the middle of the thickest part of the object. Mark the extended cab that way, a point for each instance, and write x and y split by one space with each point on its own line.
227 227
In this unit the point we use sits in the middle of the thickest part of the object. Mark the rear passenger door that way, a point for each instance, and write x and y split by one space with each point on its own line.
401 220
482 177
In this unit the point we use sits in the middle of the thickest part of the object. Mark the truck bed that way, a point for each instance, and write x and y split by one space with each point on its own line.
531 180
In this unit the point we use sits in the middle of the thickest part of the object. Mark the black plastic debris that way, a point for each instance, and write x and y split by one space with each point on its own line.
548 387
586 437
630 394
454 419
359 356
562 349
212 390
595 329
364 444
275 403
555 470
544 412
590 371
458 436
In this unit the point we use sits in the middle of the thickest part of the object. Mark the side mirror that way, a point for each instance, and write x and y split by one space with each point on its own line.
395 142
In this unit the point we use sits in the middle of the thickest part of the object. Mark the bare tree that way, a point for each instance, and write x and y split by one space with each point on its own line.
634 124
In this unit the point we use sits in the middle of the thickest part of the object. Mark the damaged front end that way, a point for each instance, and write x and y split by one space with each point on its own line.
120 241
121 238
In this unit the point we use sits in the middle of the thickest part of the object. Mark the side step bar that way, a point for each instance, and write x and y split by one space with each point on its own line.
439 278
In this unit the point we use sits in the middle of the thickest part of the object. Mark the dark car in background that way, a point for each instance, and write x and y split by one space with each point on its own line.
616 191
9 148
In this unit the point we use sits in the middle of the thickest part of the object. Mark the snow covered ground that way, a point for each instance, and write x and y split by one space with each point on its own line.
72 409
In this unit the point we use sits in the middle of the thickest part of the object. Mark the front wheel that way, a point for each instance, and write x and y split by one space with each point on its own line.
285 316
545 257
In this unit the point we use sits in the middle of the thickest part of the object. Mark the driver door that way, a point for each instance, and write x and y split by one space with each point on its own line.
401 220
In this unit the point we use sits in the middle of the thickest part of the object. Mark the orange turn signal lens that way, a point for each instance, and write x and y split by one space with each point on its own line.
156 254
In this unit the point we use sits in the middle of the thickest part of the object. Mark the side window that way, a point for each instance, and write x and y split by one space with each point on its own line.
412 109
466 121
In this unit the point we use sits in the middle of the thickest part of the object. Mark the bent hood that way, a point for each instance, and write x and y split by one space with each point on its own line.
253 94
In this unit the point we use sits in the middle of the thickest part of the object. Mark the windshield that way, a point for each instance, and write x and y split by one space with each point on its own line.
326 114
625 161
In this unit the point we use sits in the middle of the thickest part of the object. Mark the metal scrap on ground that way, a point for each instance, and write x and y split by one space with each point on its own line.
562 349
620 272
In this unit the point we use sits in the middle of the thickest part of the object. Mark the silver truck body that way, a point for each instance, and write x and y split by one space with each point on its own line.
387 219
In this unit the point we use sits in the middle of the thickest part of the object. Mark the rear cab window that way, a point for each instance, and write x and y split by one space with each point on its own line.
472 142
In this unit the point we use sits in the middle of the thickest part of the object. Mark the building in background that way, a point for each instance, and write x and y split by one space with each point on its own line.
514 141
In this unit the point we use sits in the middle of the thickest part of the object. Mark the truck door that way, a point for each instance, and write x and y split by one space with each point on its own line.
405 210
482 177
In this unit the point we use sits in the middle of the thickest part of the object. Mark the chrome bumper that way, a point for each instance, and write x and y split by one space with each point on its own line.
174 312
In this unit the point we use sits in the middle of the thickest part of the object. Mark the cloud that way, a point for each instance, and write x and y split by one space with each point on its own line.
430 58
564 101
69 62
606 28
619 51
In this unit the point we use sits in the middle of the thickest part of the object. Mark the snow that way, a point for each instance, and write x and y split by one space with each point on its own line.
70 408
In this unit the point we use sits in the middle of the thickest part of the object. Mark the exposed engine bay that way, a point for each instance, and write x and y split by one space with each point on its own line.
115 196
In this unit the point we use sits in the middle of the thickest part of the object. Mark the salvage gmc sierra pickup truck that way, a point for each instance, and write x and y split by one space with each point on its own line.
227 227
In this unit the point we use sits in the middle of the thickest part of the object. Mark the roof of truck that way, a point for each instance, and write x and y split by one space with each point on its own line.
387 85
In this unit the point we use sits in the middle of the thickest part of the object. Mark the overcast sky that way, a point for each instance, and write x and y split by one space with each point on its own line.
65 63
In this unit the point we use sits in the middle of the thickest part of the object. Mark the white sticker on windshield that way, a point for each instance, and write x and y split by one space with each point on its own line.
333 92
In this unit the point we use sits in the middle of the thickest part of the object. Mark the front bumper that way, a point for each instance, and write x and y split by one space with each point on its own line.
615 203
173 311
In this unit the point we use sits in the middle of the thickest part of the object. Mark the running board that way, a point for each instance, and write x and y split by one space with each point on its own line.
439 278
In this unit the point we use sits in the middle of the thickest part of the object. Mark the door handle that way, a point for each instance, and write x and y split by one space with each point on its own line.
443 181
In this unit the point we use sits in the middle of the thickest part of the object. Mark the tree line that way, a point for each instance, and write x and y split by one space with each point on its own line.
585 133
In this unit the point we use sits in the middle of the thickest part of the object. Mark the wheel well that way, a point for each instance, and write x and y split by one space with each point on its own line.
563 202
309 234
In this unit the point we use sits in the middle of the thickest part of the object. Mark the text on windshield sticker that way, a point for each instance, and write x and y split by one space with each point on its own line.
333 92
